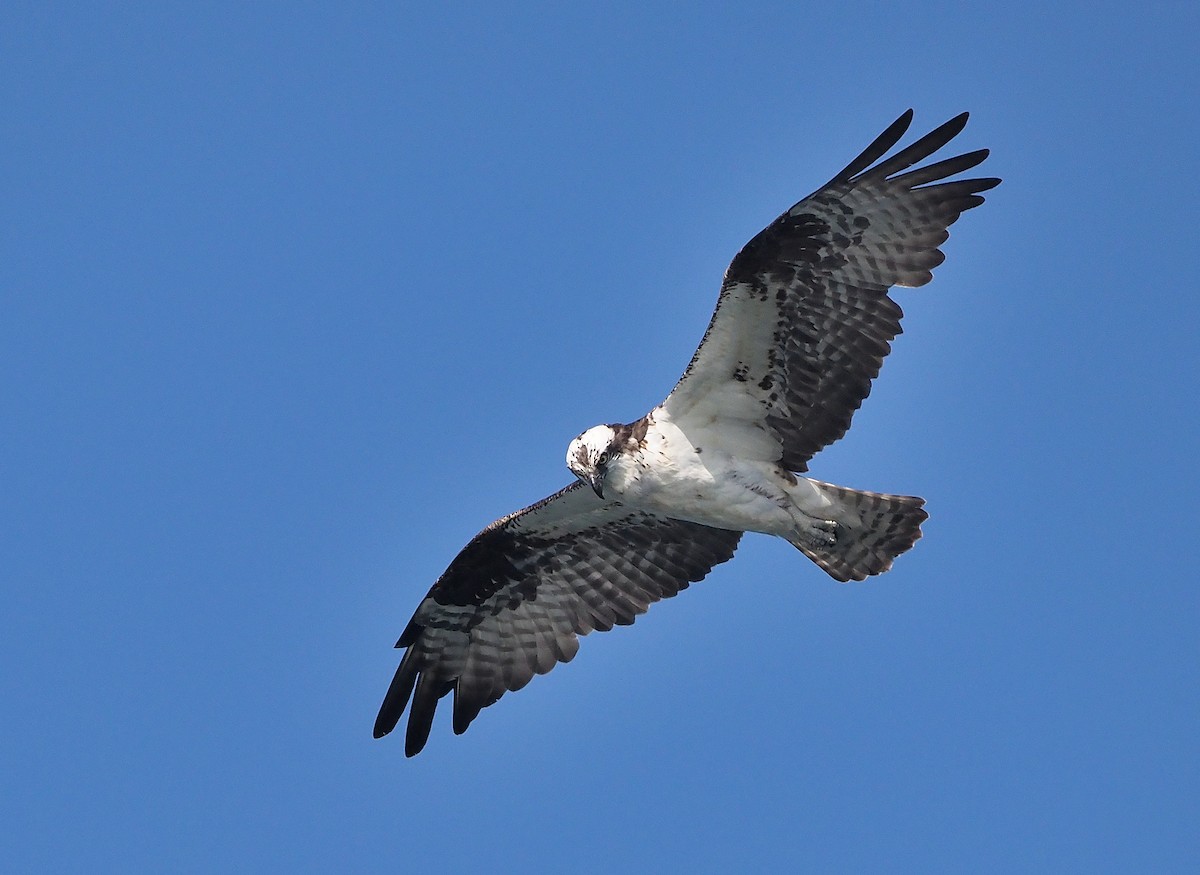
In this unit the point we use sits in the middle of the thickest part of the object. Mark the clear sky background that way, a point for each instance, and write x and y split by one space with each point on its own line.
298 297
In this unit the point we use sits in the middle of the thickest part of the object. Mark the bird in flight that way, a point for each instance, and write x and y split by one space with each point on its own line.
801 328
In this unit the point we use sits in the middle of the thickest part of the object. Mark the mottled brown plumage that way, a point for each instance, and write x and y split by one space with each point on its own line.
513 602
801 328
804 320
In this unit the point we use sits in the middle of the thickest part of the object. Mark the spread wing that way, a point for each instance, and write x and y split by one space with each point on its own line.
804 320
513 602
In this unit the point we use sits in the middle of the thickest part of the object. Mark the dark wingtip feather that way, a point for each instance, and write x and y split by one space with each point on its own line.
878 148
409 636
952 128
397 697
420 718
941 169
466 708
922 148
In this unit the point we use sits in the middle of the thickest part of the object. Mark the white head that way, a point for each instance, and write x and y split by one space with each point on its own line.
589 454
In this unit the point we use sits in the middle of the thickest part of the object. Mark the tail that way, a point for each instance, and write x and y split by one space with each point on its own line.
872 530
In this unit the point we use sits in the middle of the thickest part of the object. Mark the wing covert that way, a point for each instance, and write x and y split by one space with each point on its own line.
804 321
514 601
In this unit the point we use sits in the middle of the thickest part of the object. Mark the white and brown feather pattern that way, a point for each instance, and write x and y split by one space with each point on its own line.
804 320
883 527
513 603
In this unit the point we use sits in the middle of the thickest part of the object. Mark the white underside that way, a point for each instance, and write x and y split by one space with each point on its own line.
677 476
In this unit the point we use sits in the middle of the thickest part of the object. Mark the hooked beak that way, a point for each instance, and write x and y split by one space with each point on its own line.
596 481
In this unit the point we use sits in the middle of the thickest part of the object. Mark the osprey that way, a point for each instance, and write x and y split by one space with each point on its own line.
801 328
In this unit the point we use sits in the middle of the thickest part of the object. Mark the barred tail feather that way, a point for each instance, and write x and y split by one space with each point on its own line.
872 530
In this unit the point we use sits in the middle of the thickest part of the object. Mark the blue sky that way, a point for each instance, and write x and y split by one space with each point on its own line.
299 297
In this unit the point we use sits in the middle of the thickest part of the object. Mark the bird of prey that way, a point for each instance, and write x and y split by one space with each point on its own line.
801 327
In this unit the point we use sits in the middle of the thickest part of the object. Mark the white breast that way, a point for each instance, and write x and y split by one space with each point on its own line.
674 477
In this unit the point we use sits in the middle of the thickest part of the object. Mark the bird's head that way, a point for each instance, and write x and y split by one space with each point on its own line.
589 454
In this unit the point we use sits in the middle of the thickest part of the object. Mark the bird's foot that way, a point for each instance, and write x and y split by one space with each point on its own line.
821 533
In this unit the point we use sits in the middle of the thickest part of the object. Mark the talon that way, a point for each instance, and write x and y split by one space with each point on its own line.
823 533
